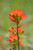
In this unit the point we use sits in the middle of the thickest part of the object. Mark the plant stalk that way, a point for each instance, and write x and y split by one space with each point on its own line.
17 34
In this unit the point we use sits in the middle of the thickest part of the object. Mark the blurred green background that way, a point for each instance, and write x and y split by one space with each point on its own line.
5 24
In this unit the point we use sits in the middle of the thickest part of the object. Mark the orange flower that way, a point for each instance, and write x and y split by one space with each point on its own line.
11 30
24 16
11 17
22 31
16 12
22 25
9 40
20 39
12 38
20 43
19 29
20 12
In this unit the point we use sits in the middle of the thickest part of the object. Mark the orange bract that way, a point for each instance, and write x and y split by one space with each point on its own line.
11 30
19 29
16 12
12 38
20 43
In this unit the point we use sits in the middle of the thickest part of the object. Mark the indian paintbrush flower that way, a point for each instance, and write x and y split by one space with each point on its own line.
16 15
